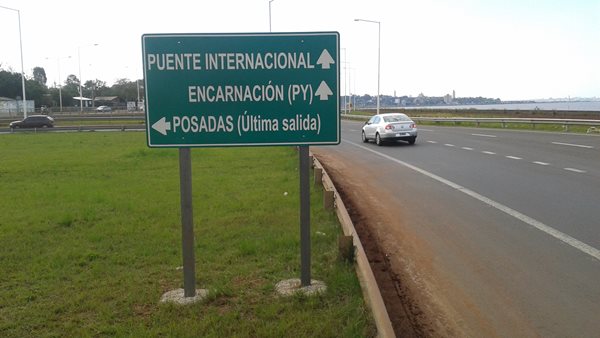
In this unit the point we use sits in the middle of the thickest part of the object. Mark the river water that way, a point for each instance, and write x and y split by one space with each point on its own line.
573 105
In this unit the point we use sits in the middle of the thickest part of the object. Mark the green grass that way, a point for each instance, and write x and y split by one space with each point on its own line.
90 238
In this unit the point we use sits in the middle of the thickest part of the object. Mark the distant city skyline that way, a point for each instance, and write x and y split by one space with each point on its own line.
506 49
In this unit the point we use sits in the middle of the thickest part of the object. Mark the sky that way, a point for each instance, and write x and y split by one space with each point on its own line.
507 49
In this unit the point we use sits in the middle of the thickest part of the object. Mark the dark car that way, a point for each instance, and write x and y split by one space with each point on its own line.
33 121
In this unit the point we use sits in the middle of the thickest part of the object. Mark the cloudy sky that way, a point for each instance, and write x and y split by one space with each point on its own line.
508 49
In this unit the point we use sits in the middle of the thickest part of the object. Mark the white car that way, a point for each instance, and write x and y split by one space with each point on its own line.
103 109
389 127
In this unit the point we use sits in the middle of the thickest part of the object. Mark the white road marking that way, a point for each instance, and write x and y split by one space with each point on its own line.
432 142
514 157
425 129
573 145
585 248
540 163
449 145
467 148
576 170
484 135
489 152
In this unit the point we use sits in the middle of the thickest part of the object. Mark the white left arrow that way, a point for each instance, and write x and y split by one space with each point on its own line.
323 91
162 126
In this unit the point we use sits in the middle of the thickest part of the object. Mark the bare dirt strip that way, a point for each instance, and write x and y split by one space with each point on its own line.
394 252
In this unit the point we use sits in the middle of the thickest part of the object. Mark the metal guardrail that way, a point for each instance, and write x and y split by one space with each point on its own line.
91 116
123 127
593 124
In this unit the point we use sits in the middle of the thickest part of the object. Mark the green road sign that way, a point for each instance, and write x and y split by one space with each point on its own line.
242 89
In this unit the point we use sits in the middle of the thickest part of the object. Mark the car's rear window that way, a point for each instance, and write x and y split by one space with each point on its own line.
396 118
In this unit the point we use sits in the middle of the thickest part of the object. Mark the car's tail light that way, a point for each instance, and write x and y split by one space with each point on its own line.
389 127
413 126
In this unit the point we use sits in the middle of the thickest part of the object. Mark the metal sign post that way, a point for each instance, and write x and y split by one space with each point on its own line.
304 216
187 222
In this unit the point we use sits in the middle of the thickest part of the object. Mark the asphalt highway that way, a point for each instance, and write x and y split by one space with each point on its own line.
510 221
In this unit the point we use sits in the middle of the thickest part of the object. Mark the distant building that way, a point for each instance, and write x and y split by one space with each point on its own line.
87 102
448 99
107 101
13 107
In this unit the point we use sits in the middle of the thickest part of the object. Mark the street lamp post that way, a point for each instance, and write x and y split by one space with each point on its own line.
345 110
378 56
59 80
80 80
22 68
351 87
270 15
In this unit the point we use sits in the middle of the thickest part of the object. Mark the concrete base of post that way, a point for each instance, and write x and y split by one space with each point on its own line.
290 287
178 297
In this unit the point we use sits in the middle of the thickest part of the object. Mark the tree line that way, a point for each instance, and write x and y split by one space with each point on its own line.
36 88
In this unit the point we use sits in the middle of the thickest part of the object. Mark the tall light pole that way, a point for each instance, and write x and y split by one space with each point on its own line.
59 80
270 15
345 78
378 56
351 87
80 80
22 68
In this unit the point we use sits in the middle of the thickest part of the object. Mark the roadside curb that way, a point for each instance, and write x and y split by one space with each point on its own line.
366 277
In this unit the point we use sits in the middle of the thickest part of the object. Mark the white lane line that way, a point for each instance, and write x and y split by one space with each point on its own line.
587 249
540 163
484 135
489 152
432 142
573 145
425 129
575 170
514 157
467 148
449 145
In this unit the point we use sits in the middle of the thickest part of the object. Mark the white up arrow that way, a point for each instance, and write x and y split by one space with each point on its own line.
325 60
323 91
162 126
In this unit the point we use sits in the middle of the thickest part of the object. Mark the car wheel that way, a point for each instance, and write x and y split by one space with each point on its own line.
364 137
412 140
378 140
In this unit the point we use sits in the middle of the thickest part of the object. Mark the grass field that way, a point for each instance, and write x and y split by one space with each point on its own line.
90 238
